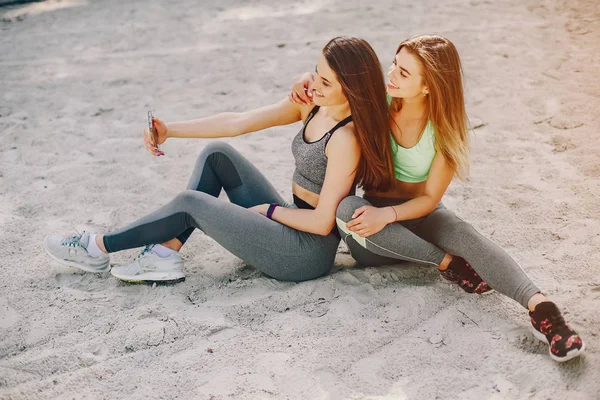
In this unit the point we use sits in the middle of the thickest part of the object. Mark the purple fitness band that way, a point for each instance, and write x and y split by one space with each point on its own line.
271 209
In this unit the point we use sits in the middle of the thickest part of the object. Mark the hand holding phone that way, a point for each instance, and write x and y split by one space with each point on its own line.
153 135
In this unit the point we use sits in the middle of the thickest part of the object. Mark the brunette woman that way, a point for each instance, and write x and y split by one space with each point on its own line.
287 241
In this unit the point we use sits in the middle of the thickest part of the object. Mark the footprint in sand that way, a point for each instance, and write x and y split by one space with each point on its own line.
250 314
75 279
316 309
364 293
522 338
564 122
81 286
96 353
222 333
131 296
562 143
146 334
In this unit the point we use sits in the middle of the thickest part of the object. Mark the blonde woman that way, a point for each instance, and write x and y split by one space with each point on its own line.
429 145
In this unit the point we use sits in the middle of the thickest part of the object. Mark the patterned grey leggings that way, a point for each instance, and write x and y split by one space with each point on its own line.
425 240
275 249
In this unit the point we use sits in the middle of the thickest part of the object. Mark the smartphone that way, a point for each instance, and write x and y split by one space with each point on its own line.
153 132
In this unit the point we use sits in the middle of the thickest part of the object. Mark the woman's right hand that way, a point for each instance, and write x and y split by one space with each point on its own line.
302 90
161 130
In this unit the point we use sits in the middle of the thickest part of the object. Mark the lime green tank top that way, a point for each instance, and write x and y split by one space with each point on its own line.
412 165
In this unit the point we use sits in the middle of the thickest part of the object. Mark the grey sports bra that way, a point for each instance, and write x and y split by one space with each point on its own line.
311 161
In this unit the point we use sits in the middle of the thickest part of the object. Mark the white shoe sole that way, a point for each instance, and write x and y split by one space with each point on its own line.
151 277
76 265
570 354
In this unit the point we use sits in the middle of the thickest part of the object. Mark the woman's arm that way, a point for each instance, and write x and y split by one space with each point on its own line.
343 155
368 220
231 124
226 124
440 176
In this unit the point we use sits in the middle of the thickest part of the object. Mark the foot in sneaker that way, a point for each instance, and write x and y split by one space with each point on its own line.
72 251
149 267
460 272
549 326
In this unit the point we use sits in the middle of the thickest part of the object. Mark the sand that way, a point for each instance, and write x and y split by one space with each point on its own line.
76 79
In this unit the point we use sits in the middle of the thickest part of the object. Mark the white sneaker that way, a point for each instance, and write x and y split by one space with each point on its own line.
149 267
72 251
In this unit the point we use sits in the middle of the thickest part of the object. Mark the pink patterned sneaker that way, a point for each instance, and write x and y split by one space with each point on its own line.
460 272
549 326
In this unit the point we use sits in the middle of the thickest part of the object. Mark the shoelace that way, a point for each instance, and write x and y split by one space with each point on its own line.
73 241
557 321
146 250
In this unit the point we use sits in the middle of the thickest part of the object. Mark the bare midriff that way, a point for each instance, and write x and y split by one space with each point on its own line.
401 190
306 195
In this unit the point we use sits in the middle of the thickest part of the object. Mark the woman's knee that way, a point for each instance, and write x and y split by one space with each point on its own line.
213 148
347 206
188 200
216 146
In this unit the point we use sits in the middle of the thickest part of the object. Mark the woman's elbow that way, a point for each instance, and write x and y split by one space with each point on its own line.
325 229
432 205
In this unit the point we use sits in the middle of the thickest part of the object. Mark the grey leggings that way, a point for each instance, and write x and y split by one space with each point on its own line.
275 249
426 240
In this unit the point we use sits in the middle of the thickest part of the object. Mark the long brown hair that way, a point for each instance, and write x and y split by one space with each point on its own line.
359 72
445 103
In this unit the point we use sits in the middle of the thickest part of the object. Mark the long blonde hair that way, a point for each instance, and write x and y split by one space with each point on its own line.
445 103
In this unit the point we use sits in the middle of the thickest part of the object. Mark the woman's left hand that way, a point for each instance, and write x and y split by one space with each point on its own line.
261 209
368 220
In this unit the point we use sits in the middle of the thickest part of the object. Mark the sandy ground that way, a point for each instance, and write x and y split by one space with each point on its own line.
76 80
